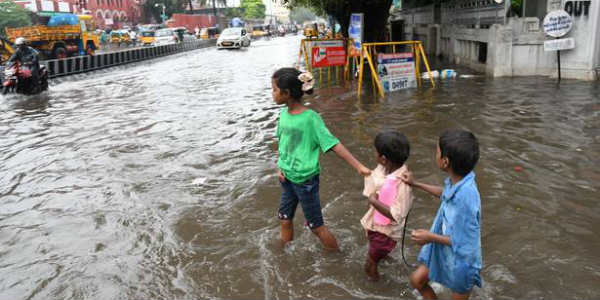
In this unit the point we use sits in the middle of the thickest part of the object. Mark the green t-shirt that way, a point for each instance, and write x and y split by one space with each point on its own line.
301 137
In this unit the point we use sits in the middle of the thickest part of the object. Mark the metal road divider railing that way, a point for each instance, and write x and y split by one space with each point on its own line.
81 64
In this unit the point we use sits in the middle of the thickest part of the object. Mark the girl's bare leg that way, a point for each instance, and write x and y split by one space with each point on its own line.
287 231
328 240
371 269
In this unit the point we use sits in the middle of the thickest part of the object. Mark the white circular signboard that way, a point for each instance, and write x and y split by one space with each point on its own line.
557 23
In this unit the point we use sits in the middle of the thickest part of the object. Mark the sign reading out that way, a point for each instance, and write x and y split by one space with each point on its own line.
557 23
328 54
396 71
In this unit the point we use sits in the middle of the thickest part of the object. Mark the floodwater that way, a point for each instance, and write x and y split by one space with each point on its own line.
157 181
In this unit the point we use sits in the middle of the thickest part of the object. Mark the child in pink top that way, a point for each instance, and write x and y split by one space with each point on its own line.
390 198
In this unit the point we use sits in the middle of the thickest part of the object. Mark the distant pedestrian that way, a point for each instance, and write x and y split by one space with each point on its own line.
390 198
302 136
451 253
133 37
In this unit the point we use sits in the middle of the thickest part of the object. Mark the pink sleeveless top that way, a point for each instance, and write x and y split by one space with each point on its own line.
387 196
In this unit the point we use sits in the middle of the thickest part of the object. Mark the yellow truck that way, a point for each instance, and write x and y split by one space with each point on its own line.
6 50
60 41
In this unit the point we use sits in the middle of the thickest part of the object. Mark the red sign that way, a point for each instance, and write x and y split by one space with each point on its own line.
328 54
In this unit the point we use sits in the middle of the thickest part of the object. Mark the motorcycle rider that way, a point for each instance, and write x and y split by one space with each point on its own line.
27 56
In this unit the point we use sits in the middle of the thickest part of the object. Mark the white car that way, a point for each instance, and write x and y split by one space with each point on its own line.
234 37
164 37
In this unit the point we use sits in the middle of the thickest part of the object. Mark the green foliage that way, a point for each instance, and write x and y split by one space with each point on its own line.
234 12
302 14
376 13
253 9
516 8
12 15
171 7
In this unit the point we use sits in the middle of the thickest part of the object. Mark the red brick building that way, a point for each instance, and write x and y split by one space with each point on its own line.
115 13
107 13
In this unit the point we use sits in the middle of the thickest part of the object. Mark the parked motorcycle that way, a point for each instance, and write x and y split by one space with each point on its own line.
18 79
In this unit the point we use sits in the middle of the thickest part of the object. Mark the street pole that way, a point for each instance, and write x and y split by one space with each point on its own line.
216 15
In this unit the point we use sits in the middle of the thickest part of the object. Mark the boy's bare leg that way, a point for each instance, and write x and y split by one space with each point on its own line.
287 231
328 240
419 279
371 269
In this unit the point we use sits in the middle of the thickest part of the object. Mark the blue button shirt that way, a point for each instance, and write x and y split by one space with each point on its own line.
459 217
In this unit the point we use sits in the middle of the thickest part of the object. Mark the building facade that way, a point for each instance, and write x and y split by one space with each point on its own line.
501 40
115 13
106 13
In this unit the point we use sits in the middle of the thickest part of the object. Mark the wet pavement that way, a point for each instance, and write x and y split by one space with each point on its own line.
156 180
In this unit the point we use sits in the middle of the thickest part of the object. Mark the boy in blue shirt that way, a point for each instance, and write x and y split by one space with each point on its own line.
451 253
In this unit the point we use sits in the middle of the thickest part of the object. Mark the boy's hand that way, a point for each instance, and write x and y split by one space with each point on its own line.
280 175
407 178
364 171
420 236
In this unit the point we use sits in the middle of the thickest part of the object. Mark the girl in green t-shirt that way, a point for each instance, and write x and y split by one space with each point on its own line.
302 137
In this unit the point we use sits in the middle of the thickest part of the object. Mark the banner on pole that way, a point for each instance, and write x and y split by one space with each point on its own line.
355 32
396 71
328 54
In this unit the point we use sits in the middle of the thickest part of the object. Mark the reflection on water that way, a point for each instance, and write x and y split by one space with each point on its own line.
157 181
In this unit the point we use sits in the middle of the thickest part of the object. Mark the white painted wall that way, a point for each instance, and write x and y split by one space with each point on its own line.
586 33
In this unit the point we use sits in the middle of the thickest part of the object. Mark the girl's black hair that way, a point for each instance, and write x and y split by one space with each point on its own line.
287 80
461 148
394 146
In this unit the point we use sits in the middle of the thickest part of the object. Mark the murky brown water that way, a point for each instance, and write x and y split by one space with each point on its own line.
156 181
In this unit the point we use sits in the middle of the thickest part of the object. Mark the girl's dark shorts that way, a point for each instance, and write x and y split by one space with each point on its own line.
380 245
307 193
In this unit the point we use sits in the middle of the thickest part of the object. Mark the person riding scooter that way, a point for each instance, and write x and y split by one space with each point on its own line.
27 56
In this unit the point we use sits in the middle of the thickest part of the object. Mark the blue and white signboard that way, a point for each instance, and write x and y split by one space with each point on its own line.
355 32
396 71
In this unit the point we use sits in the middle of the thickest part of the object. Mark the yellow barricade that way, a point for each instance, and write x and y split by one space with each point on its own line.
334 73
370 50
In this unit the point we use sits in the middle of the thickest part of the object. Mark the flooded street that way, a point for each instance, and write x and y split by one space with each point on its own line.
156 180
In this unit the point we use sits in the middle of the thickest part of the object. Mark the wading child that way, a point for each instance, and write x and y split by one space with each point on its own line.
390 198
451 254
302 137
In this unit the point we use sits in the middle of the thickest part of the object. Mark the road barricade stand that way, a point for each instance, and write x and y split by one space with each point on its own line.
393 70
325 55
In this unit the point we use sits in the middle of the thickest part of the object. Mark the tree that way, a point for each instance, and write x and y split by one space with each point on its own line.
12 15
253 9
302 14
171 7
376 14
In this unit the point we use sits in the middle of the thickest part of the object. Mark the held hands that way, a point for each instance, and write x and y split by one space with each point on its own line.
407 178
421 236
280 175
363 171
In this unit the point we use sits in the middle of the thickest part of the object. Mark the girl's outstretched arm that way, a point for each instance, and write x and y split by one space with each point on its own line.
343 153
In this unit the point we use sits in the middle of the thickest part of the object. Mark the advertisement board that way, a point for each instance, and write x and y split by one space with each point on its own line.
328 54
355 32
396 71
